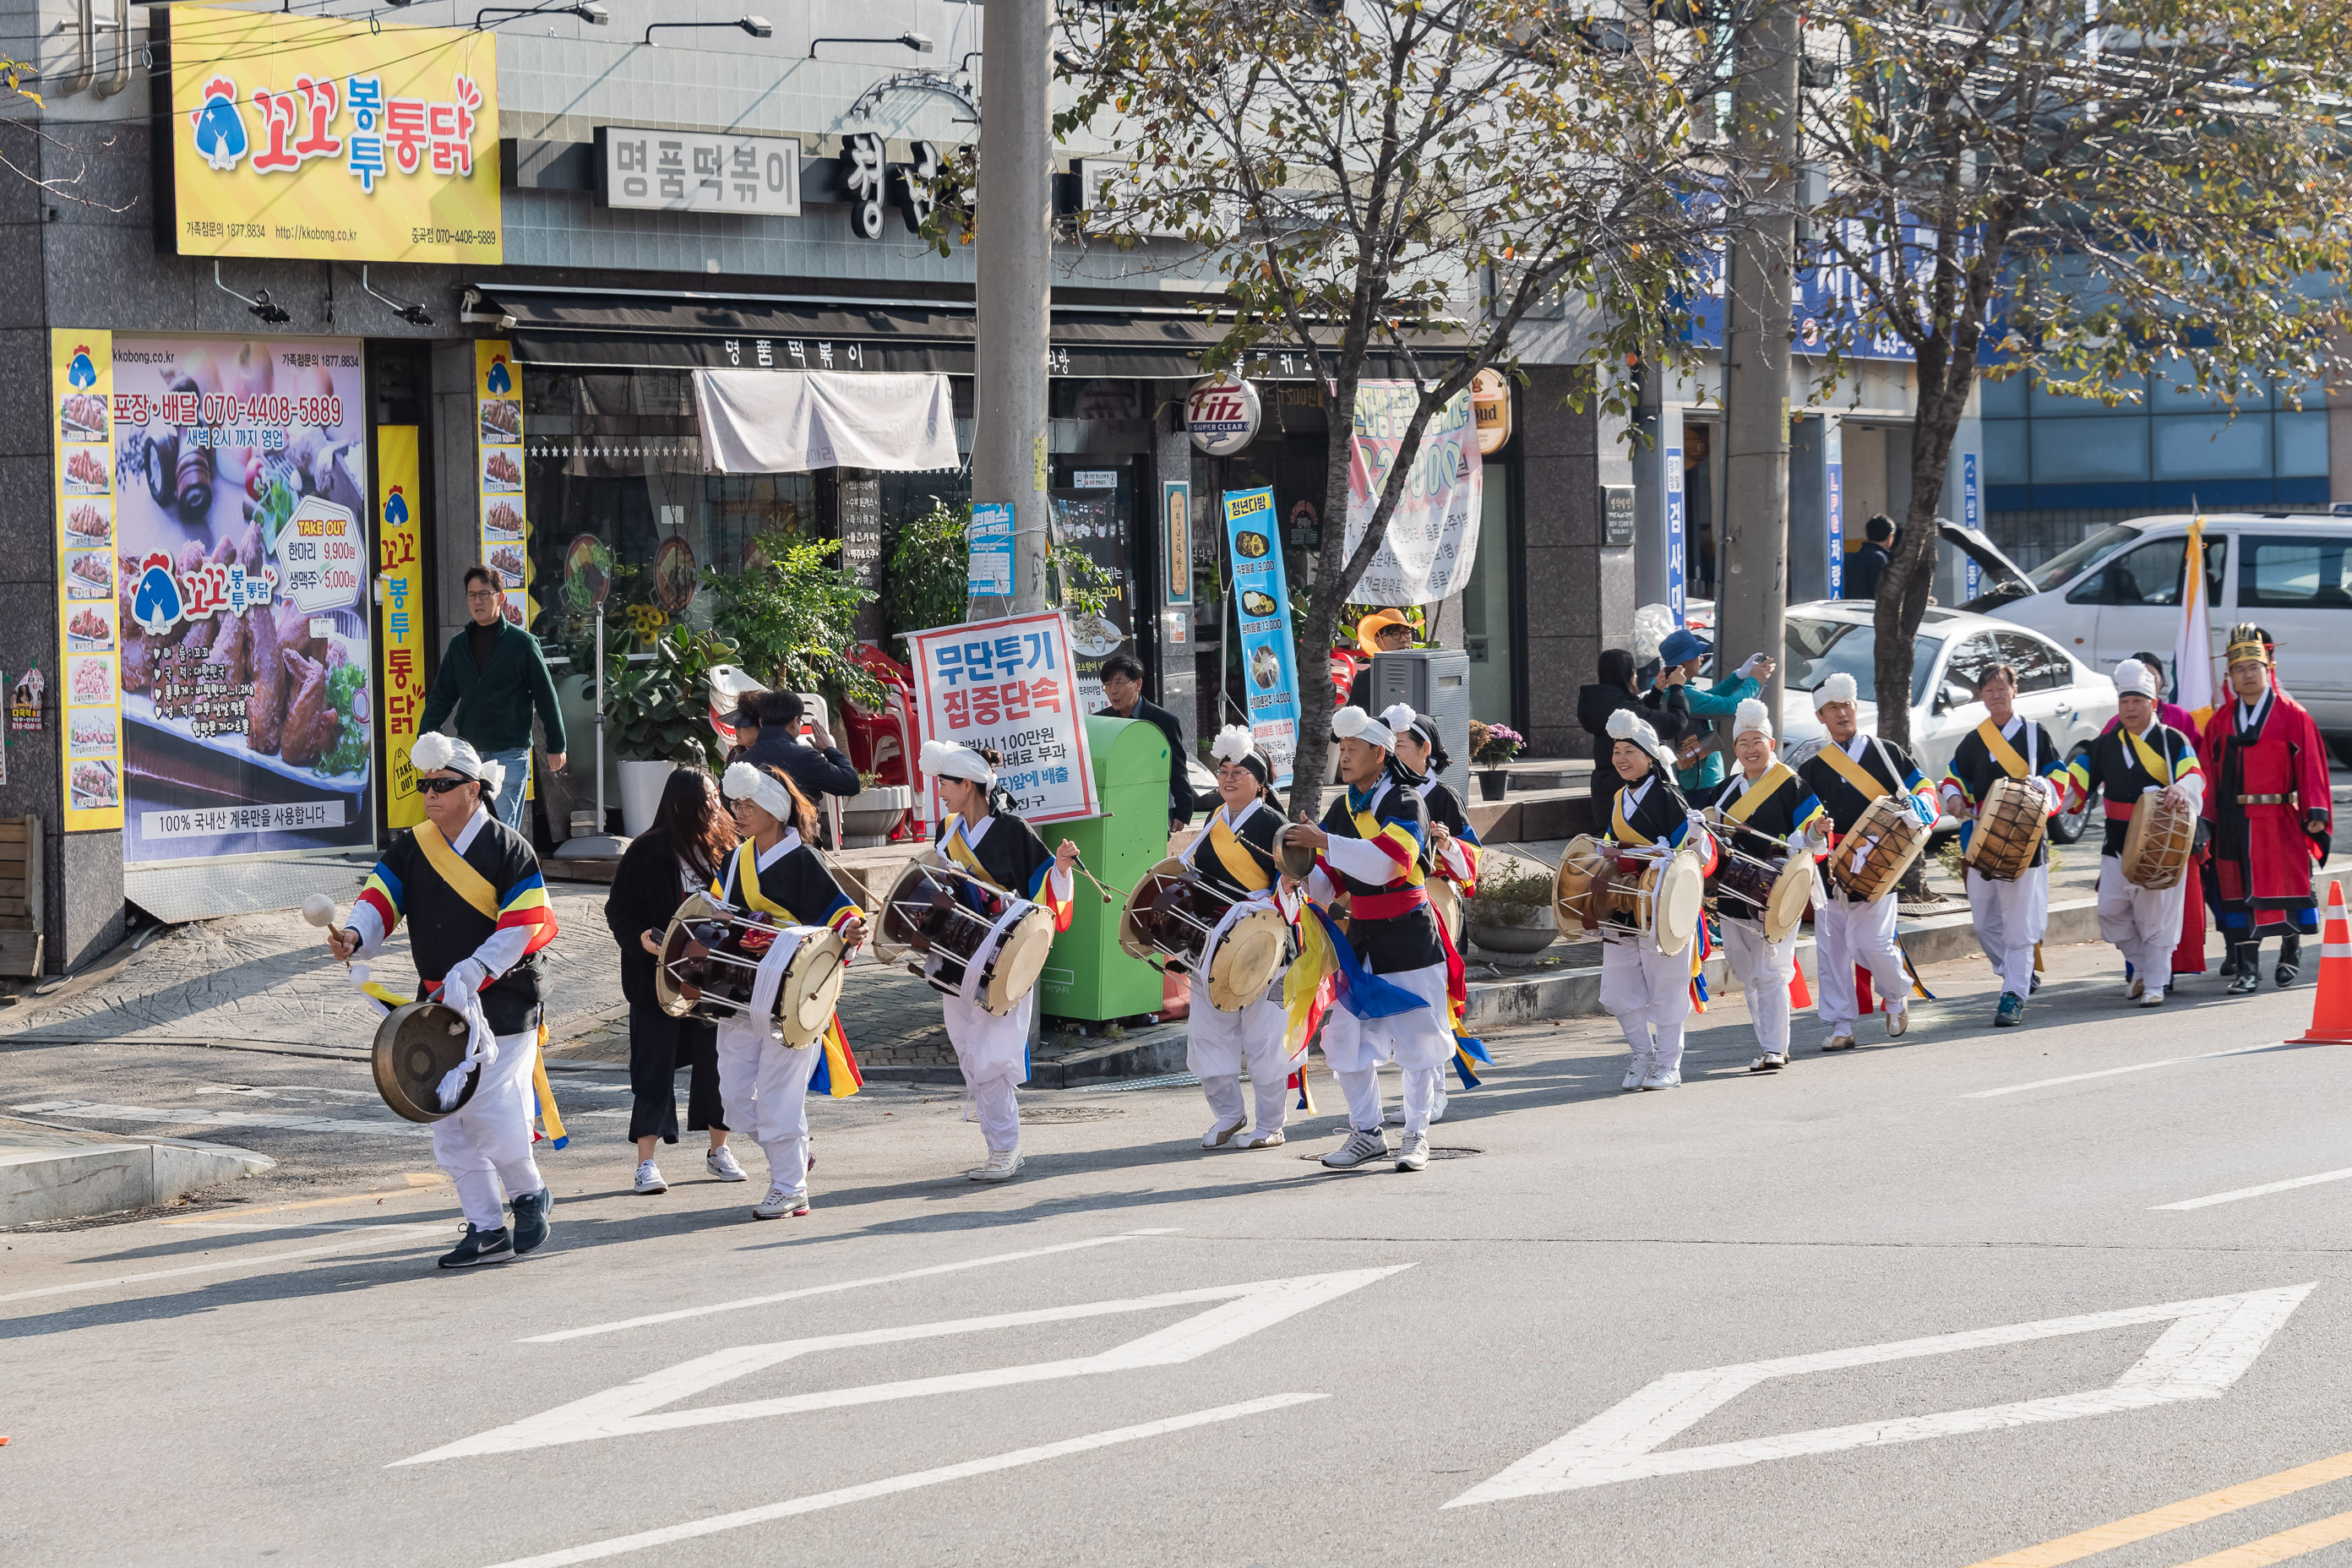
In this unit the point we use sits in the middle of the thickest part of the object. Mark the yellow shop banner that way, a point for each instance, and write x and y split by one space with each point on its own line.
400 575
313 136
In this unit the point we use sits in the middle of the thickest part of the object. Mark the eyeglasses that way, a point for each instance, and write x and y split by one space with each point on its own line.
481 594
442 786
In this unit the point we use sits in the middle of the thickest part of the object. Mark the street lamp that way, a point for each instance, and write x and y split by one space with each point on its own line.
919 42
758 26
595 16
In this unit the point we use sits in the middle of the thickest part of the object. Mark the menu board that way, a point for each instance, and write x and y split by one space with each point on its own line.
91 713
241 565
400 569
505 535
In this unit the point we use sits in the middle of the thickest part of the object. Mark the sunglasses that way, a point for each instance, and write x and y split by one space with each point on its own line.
443 787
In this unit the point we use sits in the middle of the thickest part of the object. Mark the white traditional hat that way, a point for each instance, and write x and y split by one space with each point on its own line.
945 759
761 787
1352 723
1838 687
435 753
2135 679
1752 715
1623 725
1235 744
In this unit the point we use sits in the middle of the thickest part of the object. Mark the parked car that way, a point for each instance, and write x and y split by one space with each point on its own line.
2057 690
2118 592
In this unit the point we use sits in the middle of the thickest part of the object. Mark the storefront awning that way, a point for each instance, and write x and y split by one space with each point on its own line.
588 330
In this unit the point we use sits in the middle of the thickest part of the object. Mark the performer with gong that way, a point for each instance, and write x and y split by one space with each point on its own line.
2272 810
2143 764
477 916
1002 853
763 1082
2011 905
1766 797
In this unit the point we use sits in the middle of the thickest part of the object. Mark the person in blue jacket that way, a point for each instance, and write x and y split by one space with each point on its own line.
1682 654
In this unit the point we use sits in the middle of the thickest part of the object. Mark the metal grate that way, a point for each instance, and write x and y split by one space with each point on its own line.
1165 1080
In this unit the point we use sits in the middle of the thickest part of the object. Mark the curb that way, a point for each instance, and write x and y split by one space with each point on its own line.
80 1178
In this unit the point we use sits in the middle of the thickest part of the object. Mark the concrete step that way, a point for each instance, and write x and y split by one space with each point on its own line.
51 1175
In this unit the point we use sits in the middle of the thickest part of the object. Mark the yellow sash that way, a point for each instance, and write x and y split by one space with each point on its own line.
963 854
1369 828
1235 856
451 868
2150 758
747 884
1853 773
2004 755
1747 805
1621 830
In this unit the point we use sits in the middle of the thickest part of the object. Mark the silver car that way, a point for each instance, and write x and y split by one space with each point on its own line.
2057 691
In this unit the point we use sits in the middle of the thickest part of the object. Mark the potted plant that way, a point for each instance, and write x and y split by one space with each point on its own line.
657 716
868 816
791 615
1491 745
1511 912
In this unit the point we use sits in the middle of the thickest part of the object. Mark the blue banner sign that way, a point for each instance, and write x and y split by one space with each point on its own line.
1262 601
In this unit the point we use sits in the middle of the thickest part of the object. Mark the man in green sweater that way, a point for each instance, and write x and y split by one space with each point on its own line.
493 675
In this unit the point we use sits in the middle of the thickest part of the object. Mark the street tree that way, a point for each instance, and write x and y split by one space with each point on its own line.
1402 182
2093 193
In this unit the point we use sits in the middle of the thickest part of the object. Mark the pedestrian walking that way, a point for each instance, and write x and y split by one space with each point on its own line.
493 675
684 853
1869 562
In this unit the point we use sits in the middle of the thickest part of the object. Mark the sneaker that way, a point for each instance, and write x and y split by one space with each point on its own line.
1361 1149
1001 1166
2037 985
2155 997
1414 1155
2133 991
1265 1140
1219 1137
780 1202
1770 1061
1636 1069
2246 983
1841 1041
649 1179
2011 1011
1897 1023
479 1247
723 1166
530 1215
1664 1077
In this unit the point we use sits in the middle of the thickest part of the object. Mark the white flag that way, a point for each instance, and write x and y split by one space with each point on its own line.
2192 652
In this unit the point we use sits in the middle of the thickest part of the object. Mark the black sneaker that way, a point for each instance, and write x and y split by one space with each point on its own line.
479 1247
531 1212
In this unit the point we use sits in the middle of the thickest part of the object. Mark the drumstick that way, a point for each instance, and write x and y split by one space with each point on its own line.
1080 868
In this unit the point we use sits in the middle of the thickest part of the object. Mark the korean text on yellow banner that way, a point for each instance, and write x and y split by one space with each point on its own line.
334 138
89 664
401 578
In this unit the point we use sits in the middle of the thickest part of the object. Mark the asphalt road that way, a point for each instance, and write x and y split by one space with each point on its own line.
1756 1320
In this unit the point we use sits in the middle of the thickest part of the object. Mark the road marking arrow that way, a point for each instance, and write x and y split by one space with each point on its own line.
2208 1347
636 1406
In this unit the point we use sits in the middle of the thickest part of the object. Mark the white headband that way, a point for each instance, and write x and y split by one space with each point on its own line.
1838 687
763 789
945 759
2134 677
1352 723
435 753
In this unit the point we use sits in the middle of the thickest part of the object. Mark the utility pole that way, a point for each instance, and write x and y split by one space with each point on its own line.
1016 252
1753 597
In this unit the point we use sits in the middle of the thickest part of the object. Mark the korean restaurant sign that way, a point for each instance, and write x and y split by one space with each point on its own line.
1005 686
313 136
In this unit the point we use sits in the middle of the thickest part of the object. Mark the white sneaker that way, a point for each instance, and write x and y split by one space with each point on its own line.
1664 1077
1219 1137
2138 984
1273 1140
1414 1155
1841 1041
721 1165
1636 1069
1769 1061
1896 1023
1002 1164
649 1179
1361 1149
780 1202
2154 998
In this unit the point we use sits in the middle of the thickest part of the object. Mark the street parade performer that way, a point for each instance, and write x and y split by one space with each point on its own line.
1450 853
477 916
1396 978
1765 796
1649 993
2272 810
2009 916
1236 853
2139 757
1004 853
763 1083
1848 772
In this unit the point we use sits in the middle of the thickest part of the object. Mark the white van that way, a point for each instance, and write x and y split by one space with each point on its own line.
2118 592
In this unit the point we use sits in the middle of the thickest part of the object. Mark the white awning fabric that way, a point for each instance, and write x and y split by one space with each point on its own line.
793 421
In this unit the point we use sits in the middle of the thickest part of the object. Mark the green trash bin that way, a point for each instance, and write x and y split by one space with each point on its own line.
1087 976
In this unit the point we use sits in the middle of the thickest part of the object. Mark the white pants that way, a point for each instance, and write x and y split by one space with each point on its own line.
1649 995
1764 969
1846 934
1420 1041
993 1053
763 1084
2144 925
1218 1045
486 1142
2010 918
1362 1087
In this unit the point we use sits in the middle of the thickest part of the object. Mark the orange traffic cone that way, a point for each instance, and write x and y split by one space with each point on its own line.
2331 1009
1799 995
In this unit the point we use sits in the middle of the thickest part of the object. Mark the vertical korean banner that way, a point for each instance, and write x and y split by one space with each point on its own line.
497 453
1833 492
90 702
1006 686
1432 541
1262 597
1176 559
400 577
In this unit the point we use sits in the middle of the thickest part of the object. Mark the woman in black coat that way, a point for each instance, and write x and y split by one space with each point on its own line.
1666 711
690 839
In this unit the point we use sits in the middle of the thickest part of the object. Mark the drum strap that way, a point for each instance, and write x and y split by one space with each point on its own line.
1763 790
963 854
1621 830
1866 784
1235 855
2004 755
451 868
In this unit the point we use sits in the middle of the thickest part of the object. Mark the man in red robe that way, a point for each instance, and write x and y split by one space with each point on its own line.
2272 812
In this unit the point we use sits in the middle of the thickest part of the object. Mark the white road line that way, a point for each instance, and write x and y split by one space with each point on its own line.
2262 1191
685 1313
412 1231
2111 1073
193 1116
597 1549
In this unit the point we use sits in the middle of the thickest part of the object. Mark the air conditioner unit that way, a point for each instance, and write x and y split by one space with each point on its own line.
1435 681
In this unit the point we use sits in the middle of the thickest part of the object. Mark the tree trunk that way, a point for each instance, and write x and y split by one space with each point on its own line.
1910 573
1317 701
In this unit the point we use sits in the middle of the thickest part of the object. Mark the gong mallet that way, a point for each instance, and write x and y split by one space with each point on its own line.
321 912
